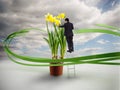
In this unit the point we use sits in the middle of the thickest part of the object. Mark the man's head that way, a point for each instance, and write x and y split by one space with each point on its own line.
67 19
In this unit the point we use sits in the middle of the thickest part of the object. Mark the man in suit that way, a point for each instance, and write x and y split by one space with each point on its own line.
68 27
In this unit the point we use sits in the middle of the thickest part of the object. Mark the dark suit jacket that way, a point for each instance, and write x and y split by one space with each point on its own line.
68 29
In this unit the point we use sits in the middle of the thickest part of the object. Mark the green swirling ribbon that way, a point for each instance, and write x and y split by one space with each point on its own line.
105 58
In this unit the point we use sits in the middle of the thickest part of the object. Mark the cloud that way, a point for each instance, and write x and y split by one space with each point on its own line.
110 17
91 2
90 50
19 14
83 38
117 43
31 40
102 41
84 52
2 54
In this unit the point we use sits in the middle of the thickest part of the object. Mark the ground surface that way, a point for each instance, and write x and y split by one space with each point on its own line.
88 77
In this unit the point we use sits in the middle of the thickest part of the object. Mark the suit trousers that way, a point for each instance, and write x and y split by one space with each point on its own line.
70 42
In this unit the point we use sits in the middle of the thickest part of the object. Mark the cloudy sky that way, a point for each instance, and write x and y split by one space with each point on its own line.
19 14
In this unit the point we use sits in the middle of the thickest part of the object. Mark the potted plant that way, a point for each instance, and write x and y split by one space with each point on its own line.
56 41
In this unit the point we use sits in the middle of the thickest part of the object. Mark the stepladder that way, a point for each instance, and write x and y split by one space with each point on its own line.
71 71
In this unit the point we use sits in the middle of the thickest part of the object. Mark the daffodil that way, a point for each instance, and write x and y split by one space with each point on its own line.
49 17
61 16
53 19
57 22
56 39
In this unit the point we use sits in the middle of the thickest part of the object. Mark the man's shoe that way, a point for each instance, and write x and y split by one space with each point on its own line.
72 50
69 51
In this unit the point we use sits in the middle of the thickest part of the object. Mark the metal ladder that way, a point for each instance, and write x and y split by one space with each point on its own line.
71 71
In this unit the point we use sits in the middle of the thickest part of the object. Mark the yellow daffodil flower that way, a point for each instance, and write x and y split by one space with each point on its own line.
52 20
61 16
57 22
49 17
55 19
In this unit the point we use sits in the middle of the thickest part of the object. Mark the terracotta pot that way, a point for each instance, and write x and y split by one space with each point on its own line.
56 70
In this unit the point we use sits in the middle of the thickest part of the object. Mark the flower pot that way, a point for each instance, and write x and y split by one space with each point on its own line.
56 70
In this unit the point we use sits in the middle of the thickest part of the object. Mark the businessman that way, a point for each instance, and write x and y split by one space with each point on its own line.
68 27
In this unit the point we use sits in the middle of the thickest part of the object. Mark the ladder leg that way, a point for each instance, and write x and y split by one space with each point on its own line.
71 68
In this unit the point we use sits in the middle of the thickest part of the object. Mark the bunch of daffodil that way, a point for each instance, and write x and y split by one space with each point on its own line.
56 38
55 19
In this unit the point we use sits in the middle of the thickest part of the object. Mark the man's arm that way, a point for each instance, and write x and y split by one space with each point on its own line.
62 26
